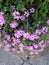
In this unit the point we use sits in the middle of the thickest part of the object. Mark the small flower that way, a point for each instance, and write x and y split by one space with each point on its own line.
1 13
31 53
26 13
12 6
30 48
2 20
26 35
38 32
47 21
13 49
7 49
21 47
32 10
7 37
22 17
36 52
35 45
16 15
13 24
44 30
17 35
5 41
41 49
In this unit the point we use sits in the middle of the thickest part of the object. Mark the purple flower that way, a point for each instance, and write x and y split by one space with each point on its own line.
0 45
35 45
33 36
32 10
13 24
21 47
44 30
26 35
1 13
13 49
17 35
2 20
47 21
12 6
5 41
36 52
16 15
38 32
26 13
7 37
30 48
41 49
22 17
31 53
7 47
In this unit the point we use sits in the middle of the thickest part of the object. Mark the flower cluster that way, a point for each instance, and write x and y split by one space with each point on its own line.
15 43
13 24
17 15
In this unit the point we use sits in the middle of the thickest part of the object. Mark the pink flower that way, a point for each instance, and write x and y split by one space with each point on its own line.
7 49
32 10
12 6
21 32
14 40
42 44
36 52
1 13
13 44
2 20
26 13
7 37
13 24
47 21
16 15
31 53
0 45
48 41
35 45
41 49
26 35
44 30
8 45
18 40
32 37
21 47
38 32
17 35
30 48
13 49
22 17
5 41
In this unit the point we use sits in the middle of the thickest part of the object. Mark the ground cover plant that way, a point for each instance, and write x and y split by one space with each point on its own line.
24 25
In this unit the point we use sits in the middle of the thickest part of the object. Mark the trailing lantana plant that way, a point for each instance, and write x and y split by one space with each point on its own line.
24 26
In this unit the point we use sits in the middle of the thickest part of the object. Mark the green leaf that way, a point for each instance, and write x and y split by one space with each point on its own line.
26 51
21 7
